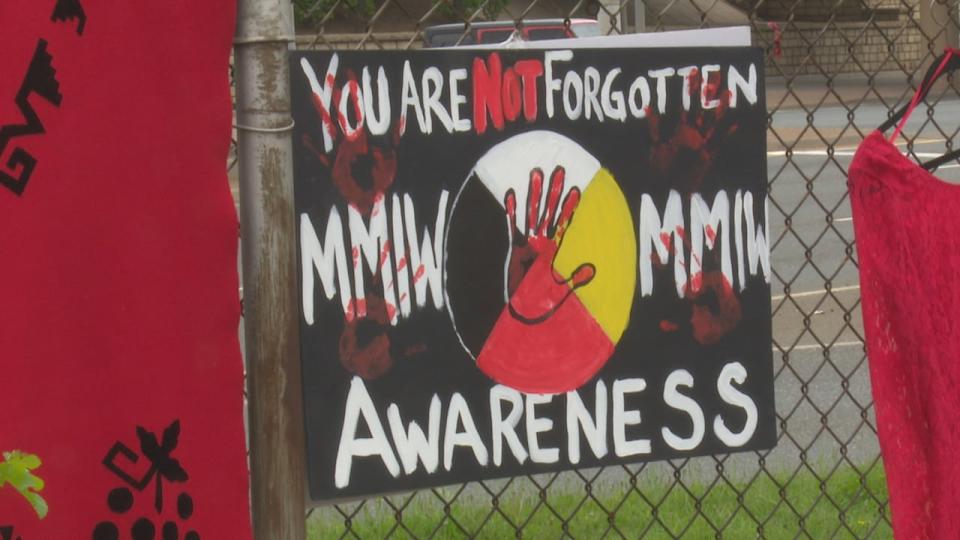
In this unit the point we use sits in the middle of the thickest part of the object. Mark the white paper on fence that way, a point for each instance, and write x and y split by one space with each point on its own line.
732 36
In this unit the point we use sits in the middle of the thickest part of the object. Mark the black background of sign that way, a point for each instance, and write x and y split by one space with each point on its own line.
429 163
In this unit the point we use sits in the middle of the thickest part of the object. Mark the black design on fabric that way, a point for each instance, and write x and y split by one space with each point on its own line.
170 531
184 506
163 467
6 533
106 531
120 500
41 80
143 529
70 10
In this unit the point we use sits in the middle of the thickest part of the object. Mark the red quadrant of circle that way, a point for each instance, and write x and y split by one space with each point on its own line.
556 355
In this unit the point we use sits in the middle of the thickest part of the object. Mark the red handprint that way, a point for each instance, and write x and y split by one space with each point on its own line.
533 251
685 157
716 309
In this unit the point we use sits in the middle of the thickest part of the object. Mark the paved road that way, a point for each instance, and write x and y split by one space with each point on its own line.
808 186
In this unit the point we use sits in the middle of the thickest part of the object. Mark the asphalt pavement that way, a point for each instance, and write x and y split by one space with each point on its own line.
822 386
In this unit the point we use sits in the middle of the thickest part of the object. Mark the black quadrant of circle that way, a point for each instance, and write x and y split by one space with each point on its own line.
192 535
120 500
170 531
143 529
106 530
185 506
476 253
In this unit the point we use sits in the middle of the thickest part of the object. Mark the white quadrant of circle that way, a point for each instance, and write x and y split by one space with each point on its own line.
508 165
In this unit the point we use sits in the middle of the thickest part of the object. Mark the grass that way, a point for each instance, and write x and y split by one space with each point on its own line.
845 504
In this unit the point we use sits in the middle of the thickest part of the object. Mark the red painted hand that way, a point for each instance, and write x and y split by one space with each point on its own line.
685 157
532 252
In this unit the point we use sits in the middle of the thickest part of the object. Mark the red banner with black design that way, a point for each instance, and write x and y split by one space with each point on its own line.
120 370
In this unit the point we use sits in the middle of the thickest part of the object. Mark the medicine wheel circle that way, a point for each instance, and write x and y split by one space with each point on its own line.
540 267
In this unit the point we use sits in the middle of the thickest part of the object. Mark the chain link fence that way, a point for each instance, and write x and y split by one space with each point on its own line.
836 70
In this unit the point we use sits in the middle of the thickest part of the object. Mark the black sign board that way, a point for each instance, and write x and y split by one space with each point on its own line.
525 261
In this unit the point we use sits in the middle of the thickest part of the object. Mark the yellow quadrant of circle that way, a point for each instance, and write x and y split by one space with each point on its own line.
601 232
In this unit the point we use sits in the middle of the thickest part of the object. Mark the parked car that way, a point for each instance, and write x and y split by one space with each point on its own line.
490 32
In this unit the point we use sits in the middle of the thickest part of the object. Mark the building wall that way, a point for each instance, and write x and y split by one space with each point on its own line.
816 36
843 47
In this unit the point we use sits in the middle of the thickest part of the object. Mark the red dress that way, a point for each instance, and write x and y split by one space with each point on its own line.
907 225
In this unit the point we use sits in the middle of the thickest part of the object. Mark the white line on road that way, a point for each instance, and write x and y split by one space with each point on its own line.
815 346
818 292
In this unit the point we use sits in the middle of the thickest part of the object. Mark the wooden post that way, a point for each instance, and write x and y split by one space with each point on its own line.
264 34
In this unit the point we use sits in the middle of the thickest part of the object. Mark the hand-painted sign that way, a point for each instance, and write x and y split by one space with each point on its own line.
526 261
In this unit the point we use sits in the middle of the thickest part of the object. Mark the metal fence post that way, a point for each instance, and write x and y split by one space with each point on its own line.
639 16
264 32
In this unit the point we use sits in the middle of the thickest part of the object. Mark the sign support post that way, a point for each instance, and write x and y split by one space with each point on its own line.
639 16
264 32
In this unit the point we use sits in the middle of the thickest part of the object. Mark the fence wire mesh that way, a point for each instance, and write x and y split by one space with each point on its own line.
836 70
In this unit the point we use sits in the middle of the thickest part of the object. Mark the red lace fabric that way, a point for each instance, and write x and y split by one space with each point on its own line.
907 225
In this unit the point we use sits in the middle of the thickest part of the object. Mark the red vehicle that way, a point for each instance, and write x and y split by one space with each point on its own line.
490 32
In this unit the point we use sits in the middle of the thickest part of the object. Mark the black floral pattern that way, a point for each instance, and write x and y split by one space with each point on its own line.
163 468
